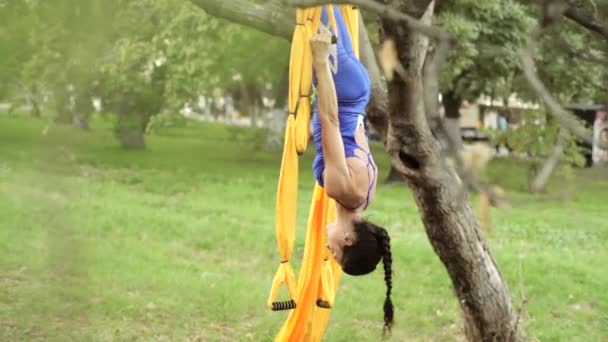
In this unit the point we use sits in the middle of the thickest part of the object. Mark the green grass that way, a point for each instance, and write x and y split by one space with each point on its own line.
177 243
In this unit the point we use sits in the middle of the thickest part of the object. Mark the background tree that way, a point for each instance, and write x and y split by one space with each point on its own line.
485 60
15 50
161 55
67 36
571 66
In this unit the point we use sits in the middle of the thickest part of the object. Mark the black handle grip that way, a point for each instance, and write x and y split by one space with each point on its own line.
286 305
334 39
323 304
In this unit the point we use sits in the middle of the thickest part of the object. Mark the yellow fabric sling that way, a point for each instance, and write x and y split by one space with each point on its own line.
319 274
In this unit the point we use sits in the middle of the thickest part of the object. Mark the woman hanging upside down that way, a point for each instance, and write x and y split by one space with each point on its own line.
343 163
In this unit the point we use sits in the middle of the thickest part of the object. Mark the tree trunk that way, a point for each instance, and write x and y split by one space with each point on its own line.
36 113
540 181
454 147
446 213
276 124
377 108
130 130
132 139
254 115
452 127
82 110
63 115
81 121
452 144
276 121
245 100
451 106
282 91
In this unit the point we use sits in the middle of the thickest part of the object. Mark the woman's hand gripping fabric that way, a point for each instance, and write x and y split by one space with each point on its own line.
321 46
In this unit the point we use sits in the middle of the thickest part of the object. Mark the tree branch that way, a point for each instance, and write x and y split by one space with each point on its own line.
271 17
384 11
560 114
592 24
274 18
574 13
586 56
541 179
377 110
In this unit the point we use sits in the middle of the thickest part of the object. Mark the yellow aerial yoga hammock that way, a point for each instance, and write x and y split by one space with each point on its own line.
319 275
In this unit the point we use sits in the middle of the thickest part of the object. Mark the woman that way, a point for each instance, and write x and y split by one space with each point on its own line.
343 163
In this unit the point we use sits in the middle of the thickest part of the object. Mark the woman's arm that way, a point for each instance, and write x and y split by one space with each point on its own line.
338 176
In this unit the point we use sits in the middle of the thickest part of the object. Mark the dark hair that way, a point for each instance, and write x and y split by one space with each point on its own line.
372 243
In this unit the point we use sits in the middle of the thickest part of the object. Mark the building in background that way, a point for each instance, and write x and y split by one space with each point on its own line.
594 116
600 139
492 114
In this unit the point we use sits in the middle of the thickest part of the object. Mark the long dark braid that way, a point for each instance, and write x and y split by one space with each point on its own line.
372 243
387 260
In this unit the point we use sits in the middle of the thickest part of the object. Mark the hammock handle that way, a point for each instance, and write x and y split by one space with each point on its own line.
286 305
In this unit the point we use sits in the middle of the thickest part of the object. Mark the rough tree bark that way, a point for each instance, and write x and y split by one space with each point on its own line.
448 219
446 213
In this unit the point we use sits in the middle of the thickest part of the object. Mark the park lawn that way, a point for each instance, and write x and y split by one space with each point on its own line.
177 243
